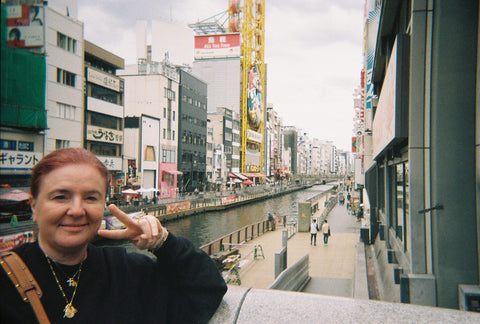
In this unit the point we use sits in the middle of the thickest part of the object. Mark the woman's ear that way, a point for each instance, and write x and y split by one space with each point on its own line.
33 202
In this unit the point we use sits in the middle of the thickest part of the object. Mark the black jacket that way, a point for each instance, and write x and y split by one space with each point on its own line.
182 285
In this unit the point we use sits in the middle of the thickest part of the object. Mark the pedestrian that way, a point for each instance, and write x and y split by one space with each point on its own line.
326 232
90 284
271 220
313 232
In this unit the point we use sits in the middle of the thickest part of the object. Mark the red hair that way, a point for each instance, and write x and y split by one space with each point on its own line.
61 158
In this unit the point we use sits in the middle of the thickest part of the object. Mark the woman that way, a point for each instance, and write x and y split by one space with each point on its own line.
87 284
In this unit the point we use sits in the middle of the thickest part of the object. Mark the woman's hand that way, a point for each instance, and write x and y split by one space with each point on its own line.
145 233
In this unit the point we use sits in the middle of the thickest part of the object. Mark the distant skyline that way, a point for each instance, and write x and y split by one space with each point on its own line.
313 52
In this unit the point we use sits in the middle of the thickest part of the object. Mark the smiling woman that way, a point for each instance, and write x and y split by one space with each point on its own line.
68 198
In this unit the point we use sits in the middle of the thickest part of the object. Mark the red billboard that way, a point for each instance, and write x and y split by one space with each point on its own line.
219 45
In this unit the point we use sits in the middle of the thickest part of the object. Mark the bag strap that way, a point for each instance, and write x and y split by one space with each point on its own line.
25 283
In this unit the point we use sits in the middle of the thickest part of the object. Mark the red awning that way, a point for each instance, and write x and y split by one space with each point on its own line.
173 172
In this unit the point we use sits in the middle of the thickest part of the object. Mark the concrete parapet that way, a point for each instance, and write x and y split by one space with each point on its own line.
245 305
360 281
294 278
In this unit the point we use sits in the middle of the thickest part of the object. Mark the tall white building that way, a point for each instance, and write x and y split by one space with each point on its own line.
65 81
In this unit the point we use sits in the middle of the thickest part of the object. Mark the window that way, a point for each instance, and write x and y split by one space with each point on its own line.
173 135
67 43
104 94
164 112
164 133
8 145
101 120
168 156
149 153
105 149
61 144
173 115
65 77
400 201
66 111
25 146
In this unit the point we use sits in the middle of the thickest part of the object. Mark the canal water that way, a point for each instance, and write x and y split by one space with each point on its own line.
205 228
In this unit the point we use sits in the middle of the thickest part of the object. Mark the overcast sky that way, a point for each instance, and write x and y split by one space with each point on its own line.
313 52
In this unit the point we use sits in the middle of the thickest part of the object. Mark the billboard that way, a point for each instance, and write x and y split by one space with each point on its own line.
384 120
218 45
25 26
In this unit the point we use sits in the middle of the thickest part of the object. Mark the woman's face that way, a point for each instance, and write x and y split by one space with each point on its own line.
69 207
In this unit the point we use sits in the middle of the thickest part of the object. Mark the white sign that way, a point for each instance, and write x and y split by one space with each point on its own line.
254 136
103 79
19 159
112 163
105 135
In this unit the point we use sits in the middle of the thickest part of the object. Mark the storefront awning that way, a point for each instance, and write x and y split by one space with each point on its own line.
173 172
254 175
240 176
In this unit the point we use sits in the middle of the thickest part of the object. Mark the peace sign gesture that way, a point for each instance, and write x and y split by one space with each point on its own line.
145 233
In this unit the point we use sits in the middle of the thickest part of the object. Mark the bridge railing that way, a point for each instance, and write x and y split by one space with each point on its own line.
242 235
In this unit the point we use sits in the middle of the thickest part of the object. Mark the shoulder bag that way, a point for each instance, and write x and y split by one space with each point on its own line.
25 283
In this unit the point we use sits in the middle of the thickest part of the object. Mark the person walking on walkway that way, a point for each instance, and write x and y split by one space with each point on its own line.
313 232
326 232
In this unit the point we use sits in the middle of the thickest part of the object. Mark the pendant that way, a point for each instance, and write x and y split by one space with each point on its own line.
71 282
69 311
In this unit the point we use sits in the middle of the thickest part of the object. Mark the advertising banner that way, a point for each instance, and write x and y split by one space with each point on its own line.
228 200
220 45
177 207
25 26
384 120
105 135
103 79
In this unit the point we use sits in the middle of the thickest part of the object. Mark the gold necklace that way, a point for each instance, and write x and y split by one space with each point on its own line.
72 282
69 311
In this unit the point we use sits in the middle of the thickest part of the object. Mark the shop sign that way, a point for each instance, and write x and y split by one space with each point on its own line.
105 135
103 79
18 160
112 163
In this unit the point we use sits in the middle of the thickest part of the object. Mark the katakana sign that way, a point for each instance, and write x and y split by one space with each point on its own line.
18 159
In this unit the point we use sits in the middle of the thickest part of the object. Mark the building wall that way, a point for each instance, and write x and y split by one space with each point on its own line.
426 189
223 77
67 129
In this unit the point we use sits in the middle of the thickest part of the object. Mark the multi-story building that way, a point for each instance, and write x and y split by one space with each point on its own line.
290 144
49 113
104 111
211 177
65 81
273 143
423 182
151 111
192 131
226 131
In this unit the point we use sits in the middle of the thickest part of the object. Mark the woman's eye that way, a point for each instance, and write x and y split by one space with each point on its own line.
59 197
92 198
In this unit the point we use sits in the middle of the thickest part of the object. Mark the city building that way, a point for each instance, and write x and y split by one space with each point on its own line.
423 180
47 114
290 142
104 111
273 141
192 130
151 125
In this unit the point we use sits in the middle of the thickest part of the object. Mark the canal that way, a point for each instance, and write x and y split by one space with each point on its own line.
205 228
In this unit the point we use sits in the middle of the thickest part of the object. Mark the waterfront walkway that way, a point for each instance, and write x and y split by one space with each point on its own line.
332 266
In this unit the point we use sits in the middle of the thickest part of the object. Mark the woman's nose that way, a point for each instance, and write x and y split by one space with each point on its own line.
76 207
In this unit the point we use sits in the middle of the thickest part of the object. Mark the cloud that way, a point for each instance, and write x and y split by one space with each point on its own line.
313 52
